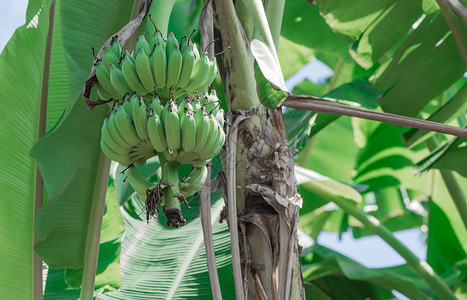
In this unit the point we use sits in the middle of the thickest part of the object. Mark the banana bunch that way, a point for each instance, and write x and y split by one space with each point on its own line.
158 65
124 135
189 133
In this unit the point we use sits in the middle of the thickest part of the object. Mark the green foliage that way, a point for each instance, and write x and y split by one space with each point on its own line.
21 77
402 56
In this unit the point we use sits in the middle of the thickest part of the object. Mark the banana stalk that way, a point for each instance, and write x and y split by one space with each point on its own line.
171 193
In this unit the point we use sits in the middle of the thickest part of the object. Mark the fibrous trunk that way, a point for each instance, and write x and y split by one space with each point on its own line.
268 206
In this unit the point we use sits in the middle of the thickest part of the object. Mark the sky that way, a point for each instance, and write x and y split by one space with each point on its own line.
12 15
370 251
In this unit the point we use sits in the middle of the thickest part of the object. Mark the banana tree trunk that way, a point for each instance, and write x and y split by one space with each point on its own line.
267 204
261 188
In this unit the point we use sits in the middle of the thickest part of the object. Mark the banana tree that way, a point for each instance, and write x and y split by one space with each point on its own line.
79 226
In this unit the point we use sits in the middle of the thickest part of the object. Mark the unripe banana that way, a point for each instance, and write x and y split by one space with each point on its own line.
125 127
202 130
199 74
172 128
171 42
127 105
212 139
165 111
156 105
109 58
220 117
103 93
196 52
188 129
156 133
211 102
140 118
116 48
182 106
139 183
216 147
118 81
210 76
106 135
159 65
115 132
121 159
157 38
143 69
140 162
142 43
174 66
188 61
131 76
194 182
103 77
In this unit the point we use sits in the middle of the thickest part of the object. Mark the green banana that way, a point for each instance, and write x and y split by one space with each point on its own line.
143 69
174 66
188 129
220 117
204 153
172 128
196 52
121 159
165 111
181 106
156 133
199 74
142 43
171 42
157 38
118 81
159 66
127 105
211 102
103 93
139 183
109 58
140 118
203 130
106 135
194 182
156 105
211 75
117 136
188 61
103 77
115 47
126 127
131 76
216 147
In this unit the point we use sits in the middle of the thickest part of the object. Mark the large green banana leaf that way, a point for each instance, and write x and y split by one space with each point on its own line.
21 73
159 262
69 155
65 283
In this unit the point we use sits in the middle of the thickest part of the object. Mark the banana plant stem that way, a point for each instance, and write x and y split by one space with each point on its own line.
421 267
317 104
94 228
38 180
159 13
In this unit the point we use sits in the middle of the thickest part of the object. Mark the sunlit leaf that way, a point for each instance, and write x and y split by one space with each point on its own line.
159 262
21 73
68 156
